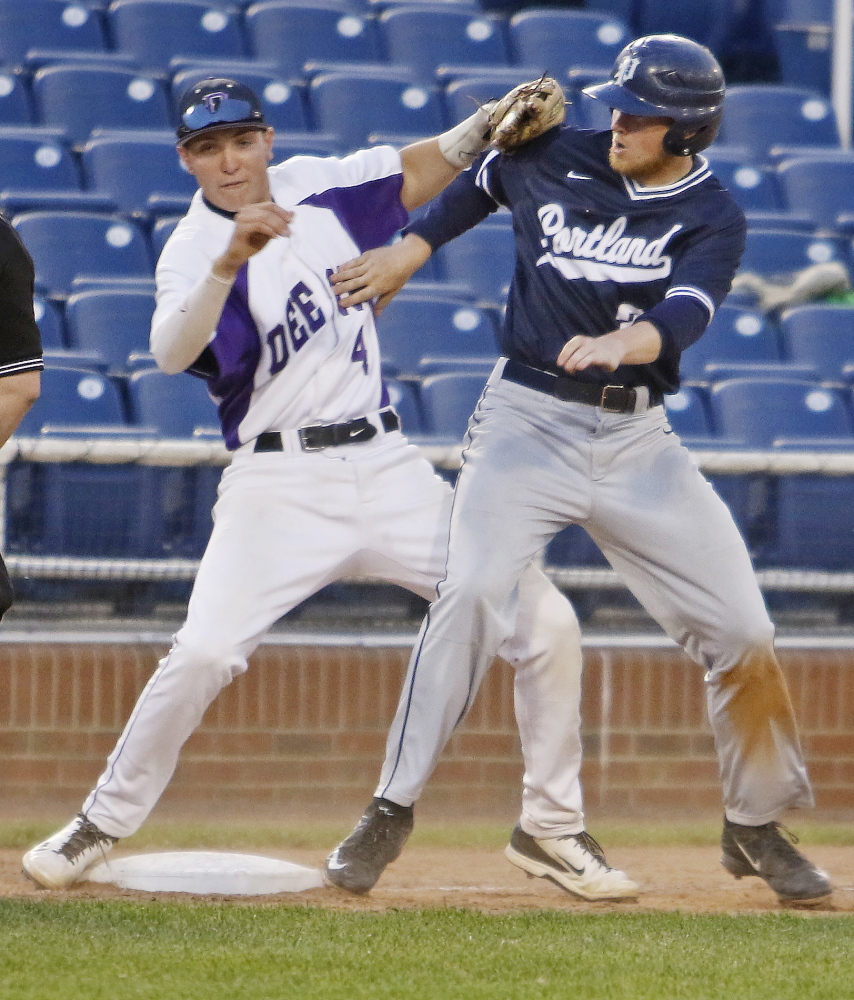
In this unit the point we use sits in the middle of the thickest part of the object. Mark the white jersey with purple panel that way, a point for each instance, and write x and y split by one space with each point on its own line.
284 353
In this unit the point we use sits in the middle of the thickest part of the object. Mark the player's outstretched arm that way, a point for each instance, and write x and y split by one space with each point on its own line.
431 165
636 344
381 273
180 335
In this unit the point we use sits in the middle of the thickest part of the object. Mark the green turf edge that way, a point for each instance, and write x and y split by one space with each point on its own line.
182 835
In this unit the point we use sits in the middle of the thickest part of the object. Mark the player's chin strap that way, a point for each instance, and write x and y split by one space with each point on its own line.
462 144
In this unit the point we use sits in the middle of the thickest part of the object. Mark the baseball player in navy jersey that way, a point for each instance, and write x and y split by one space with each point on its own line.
322 484
625 246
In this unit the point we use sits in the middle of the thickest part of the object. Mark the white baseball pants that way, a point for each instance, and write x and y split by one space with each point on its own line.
286 525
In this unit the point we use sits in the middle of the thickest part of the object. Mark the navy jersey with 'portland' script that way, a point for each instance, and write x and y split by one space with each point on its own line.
595 250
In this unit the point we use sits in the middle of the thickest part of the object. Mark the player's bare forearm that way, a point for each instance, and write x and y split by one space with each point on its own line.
254 227
17 395
636 344
431 165
426 172
381 273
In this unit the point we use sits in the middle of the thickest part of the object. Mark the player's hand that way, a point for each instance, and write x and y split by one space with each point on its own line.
254 227
591 352
379 274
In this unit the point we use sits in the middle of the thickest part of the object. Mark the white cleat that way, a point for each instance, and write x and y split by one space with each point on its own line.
62 859
575 863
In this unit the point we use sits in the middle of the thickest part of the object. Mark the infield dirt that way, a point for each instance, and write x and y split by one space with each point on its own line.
672 879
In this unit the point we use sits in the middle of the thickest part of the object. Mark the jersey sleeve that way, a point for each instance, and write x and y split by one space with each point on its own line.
467 201
700 281
363 190
181 273
20 341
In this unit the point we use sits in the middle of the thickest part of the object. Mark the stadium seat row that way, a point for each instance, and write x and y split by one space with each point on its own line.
71 248
426 331
83 509
346 100
750 412
151 33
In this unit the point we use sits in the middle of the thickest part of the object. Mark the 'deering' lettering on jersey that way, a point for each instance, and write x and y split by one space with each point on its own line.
601 254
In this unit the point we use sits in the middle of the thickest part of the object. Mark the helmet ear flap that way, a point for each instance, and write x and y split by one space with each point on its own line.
681 140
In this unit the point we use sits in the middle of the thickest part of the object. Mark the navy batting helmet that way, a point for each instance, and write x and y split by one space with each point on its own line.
673 77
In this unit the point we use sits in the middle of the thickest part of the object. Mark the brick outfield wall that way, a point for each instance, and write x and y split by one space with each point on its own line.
306 726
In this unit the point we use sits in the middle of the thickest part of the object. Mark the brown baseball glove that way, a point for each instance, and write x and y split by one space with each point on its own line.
525 113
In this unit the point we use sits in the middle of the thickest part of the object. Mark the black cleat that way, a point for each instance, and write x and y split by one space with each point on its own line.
764 851
357 862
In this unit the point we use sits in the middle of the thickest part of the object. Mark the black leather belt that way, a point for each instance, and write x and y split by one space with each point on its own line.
612 398
318 436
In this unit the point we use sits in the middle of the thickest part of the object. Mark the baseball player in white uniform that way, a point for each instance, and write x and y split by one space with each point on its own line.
322 485
626 244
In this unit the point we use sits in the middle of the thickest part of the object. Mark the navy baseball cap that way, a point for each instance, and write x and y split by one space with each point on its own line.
215 104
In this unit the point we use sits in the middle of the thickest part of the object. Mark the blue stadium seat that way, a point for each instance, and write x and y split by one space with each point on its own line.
161 232
16 201
763 116
115 322
403 396
15 106
423 38
688 413
783 252
289 35
36 159
174 405
131 167
800 11
734 334
66 244
74 397
821 189
83 97
415 329
805 54
27 24
482 258
449 400
558 40
584 111
753 186
354 106
709 23
760 411
288 144
821 336
283 101
155 31
51 322
812 527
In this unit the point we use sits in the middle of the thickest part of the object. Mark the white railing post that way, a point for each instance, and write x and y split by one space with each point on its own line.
843 67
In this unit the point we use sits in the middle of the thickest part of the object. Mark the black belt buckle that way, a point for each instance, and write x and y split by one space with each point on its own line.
618 399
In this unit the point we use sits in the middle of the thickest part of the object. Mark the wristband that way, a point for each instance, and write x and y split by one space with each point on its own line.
462 144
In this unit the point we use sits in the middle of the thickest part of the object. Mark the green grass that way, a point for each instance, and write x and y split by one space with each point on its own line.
123 950
181 835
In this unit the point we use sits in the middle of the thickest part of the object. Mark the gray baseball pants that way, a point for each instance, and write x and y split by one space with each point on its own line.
534 464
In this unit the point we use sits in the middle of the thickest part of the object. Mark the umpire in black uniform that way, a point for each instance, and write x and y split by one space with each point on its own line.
20 352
